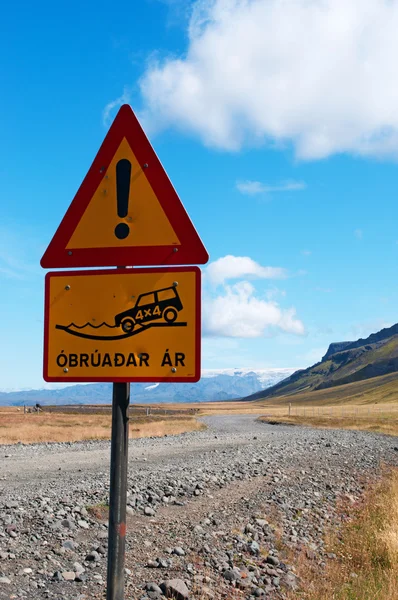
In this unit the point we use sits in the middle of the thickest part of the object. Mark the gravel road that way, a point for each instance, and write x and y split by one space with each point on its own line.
206 510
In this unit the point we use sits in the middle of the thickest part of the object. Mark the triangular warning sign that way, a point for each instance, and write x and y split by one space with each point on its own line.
126 212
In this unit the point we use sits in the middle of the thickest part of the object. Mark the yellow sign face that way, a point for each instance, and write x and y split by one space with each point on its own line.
143 215
123 325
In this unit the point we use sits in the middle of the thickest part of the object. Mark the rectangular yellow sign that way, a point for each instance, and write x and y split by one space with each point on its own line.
123 325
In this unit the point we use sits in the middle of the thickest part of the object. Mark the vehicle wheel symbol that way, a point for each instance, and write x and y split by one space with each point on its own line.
170 314
128 325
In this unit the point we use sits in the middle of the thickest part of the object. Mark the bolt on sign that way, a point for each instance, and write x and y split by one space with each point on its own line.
123 325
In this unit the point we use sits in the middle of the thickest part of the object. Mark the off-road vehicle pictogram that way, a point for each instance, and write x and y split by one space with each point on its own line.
160 304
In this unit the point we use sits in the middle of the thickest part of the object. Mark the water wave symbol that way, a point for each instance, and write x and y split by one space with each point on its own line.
72 327
103 324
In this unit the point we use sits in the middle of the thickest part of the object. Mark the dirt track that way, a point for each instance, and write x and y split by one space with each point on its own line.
222 496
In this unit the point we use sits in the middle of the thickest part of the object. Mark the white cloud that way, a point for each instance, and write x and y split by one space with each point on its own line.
238 313
234 267
306 252
123 99
252 188
274 293
319 74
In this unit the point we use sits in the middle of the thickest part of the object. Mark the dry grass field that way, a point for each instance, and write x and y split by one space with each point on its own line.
46 427
386 422
15 426
370 405
366 564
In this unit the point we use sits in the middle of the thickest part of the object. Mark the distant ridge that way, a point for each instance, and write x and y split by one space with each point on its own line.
216 384
381 335
343 363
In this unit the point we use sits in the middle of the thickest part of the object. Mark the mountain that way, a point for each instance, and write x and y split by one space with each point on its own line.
377 390
343 363
227 384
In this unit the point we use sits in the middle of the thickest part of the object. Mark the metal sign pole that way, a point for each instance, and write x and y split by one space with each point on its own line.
118 491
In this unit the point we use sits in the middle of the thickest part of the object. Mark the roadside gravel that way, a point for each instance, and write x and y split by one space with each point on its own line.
207 511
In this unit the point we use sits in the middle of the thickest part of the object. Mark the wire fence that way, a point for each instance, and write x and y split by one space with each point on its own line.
369 411
142 411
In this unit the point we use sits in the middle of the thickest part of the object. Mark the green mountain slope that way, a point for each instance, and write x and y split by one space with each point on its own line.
344 362
377 390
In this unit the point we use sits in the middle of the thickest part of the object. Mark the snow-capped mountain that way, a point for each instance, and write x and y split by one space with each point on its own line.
216 384
267 377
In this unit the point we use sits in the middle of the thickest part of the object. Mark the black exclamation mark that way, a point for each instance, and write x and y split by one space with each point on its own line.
123 174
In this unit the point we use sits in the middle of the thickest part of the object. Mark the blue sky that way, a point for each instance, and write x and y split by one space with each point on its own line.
278 126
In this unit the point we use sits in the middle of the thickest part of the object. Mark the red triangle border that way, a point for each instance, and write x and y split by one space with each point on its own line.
191 250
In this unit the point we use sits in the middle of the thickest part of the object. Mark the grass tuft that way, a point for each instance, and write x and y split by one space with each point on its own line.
366 549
